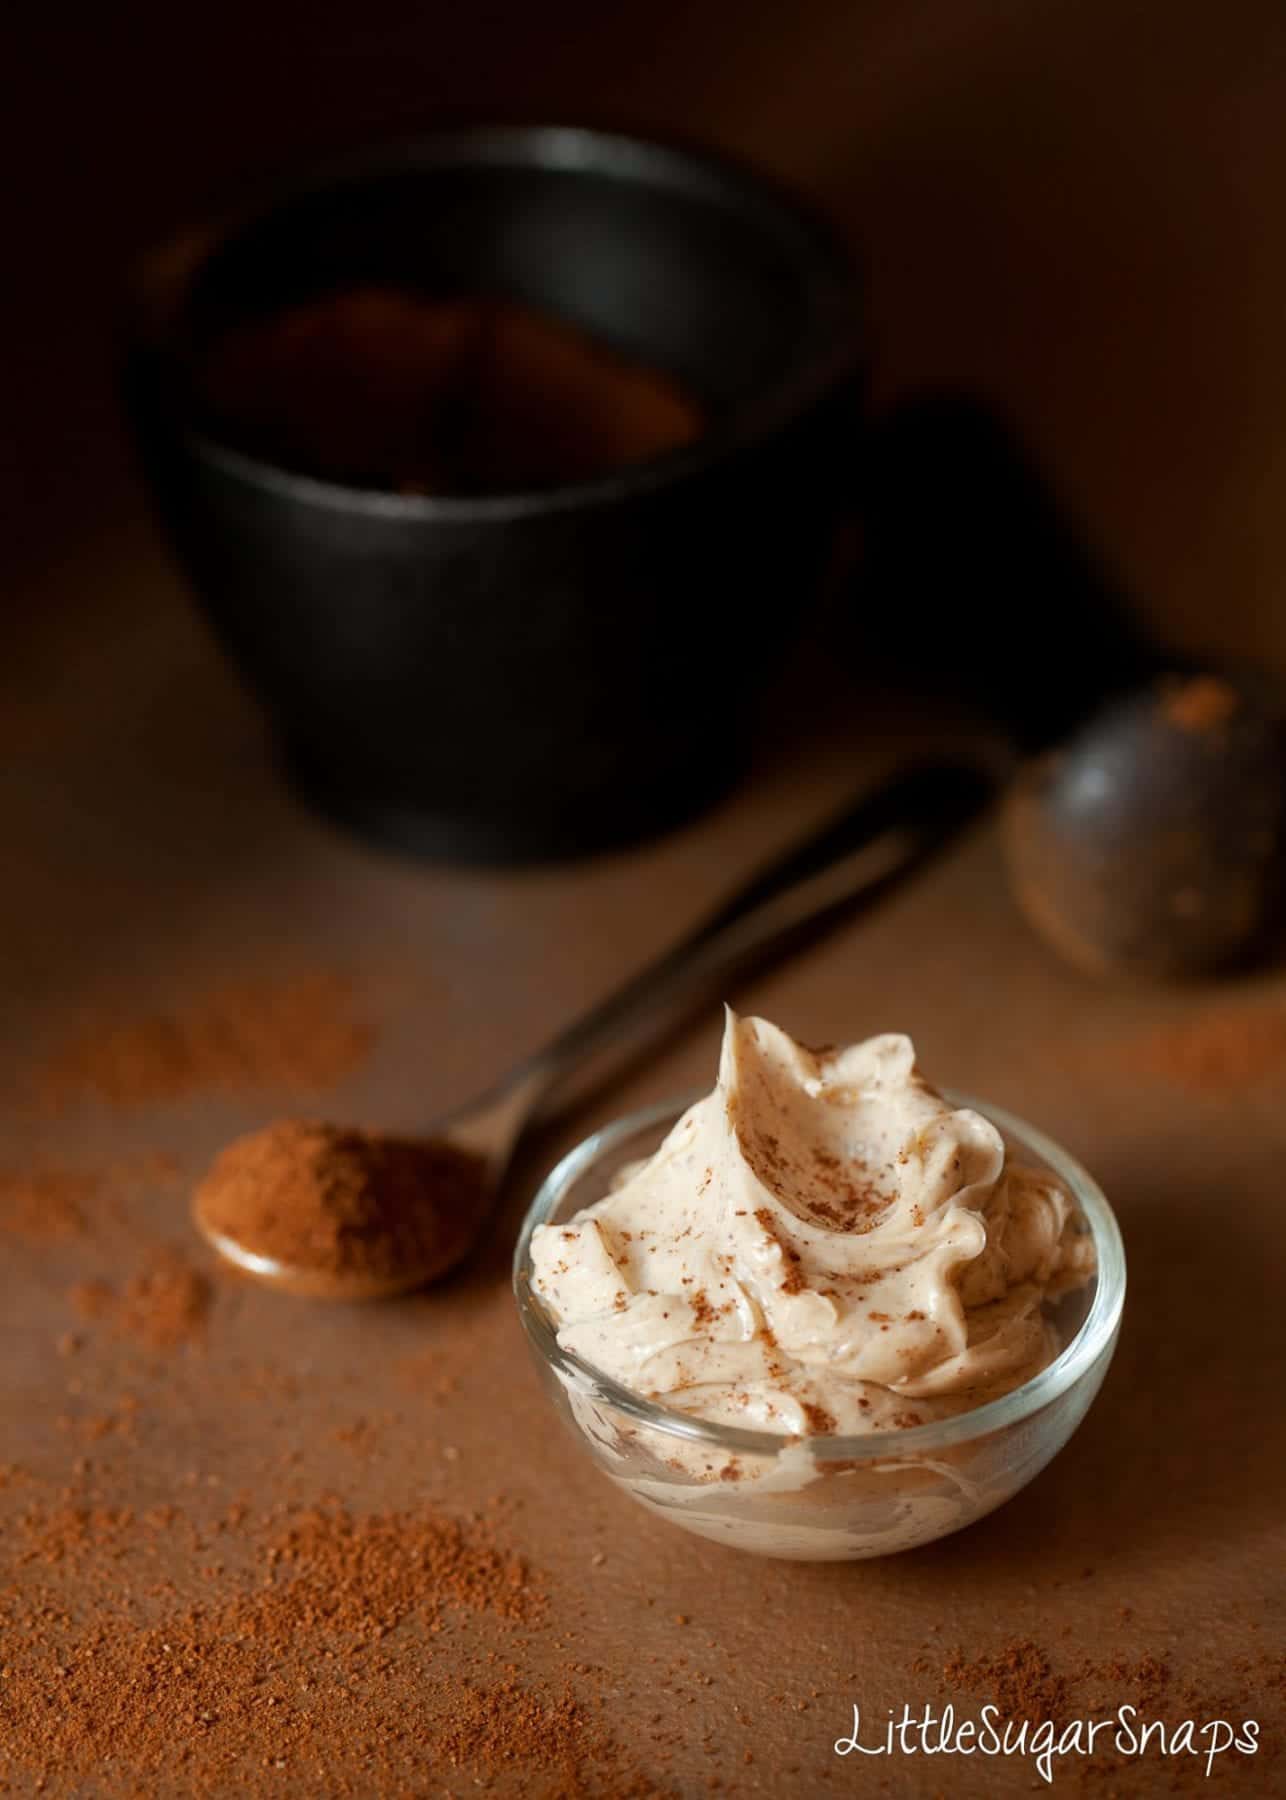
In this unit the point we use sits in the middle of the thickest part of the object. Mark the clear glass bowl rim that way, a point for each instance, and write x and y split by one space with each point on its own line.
1077 1357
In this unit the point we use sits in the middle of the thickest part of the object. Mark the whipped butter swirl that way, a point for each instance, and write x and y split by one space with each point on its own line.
821 1245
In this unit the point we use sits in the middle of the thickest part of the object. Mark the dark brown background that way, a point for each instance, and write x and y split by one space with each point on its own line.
1076 208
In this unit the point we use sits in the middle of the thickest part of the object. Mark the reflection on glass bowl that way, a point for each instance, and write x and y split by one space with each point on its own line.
825 1499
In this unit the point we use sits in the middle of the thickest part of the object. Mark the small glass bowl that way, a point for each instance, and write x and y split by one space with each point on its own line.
824 1499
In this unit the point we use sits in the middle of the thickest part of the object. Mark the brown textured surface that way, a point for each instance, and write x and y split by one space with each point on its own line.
1075 210
144 832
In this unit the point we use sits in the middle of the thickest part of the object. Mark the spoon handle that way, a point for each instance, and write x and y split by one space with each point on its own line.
852 861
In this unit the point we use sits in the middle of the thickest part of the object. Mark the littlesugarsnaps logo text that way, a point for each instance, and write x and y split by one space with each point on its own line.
1126 1733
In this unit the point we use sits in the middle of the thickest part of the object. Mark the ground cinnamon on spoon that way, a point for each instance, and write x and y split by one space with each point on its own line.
345 1211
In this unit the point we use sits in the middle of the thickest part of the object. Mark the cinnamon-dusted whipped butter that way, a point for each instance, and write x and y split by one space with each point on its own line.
821 1245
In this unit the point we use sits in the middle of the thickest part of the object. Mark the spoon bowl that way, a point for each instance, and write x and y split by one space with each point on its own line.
316 1284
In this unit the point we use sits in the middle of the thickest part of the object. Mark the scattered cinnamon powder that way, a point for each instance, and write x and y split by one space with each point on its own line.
1147 1678
343 1205
93 1428
1219 1051
93 1300
1018 1679
49 1204
506 1726
362 1436
300 1035
1022 1681
318 1661
46 1206
69 1532
363 1576
163 1305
